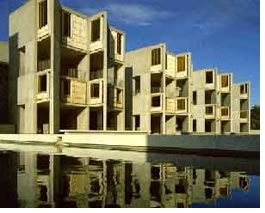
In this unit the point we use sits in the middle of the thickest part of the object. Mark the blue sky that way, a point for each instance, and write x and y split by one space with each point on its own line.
219 33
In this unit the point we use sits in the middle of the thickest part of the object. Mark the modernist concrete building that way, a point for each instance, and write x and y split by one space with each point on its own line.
66 70
241 107
166 96
218 106
160 90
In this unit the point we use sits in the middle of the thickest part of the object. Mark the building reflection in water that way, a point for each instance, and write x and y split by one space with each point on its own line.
62 181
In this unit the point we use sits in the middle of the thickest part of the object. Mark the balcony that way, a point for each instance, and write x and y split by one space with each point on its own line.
244 116
170 105
73 91
225 112
210 111
181 105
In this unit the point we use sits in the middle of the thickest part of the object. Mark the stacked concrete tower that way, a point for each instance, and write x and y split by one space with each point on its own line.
69 71
66 70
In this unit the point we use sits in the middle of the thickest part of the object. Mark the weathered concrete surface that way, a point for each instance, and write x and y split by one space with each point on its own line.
205 145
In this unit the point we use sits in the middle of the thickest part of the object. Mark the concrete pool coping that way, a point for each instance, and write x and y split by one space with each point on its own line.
214 145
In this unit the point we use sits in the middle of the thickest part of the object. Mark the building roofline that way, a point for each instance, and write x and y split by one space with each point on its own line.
146 47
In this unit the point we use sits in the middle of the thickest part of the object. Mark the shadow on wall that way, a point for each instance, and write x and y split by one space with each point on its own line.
128 98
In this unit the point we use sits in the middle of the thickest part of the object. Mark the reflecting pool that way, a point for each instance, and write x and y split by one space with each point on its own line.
111 178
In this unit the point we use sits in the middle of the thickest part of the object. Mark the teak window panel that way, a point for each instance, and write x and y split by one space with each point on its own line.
224 81
95 90
181 64
181 104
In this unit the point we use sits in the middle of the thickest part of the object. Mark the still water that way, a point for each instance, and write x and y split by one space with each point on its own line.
106 178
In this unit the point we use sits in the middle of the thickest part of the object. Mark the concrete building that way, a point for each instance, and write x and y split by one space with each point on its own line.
66 70
159 95
212 98
241 107
219 106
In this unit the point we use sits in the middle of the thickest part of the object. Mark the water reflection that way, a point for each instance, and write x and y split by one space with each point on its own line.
41 180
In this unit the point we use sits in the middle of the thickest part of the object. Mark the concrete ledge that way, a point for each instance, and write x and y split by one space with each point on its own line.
211 145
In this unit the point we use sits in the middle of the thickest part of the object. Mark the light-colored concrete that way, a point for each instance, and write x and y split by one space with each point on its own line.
50 60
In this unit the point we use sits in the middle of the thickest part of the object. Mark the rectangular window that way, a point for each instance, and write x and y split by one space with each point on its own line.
66 87
181 64
181 104
166 61
95 30
156 101
156 56
208 97
119 96
95 90
43 16
137 122
224 80
208 126
209 110
137 81
194 97
42 83
209 77
244 89
194 125
66 24
224 111
119 42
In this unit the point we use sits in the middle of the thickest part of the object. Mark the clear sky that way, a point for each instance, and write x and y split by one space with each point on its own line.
219 33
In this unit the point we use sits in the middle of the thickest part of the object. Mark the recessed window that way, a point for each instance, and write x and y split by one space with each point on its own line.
66 87
224 80
119 43
43 15
208 97
181 104
244 89
194 125
209 77
137 122
156 56
209 110
42 83
156 101
119 96
137 83
181 64
194 97
66 24
95 30
208 126
95 90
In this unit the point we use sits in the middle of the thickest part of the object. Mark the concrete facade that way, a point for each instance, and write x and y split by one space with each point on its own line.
219 106
165 95
66 70
160 90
